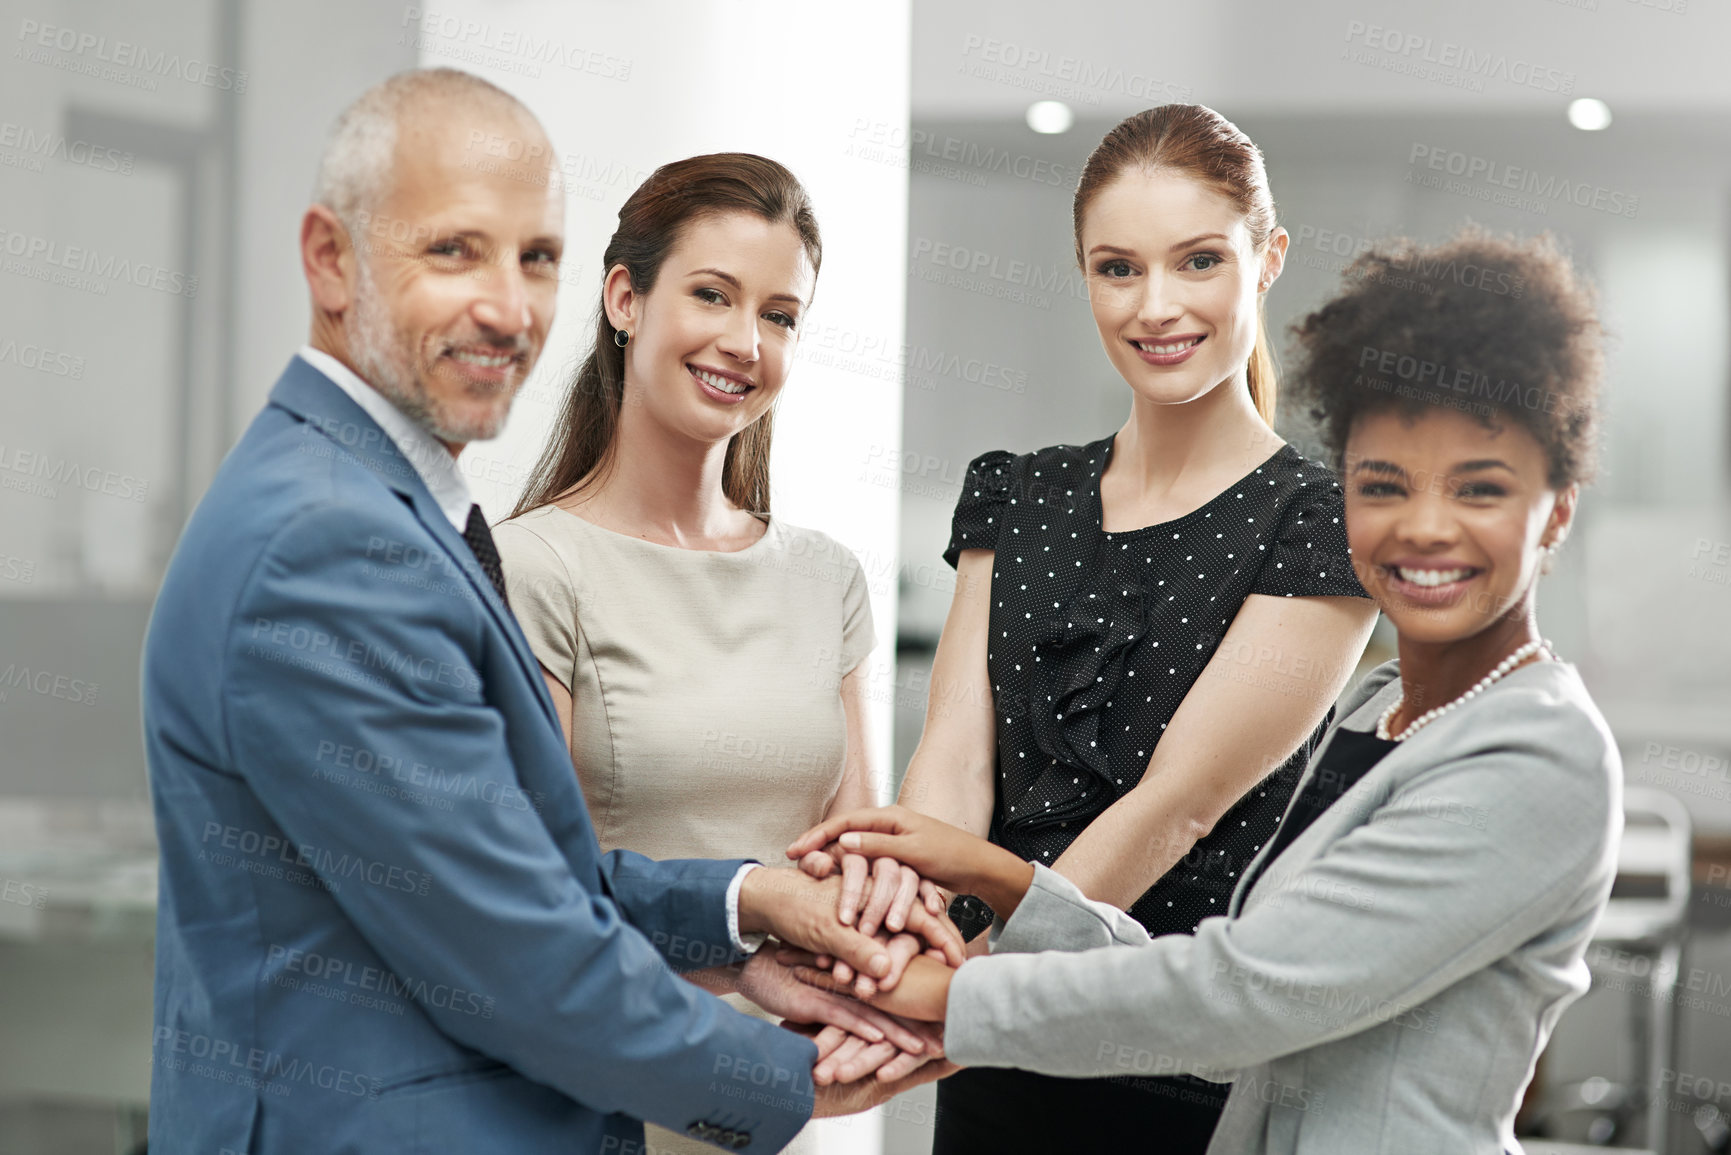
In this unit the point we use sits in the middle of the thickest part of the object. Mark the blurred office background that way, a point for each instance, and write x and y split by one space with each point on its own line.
155 158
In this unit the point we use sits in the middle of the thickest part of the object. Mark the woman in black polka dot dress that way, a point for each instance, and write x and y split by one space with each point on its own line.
1148 630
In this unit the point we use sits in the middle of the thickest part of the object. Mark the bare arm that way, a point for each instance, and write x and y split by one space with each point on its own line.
1282 663
561 703
856 789
950 776
951 773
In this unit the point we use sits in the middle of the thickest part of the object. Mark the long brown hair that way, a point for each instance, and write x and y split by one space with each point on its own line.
1192 139
650 223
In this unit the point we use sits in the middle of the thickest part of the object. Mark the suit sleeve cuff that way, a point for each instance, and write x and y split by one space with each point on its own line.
744 944
1056 915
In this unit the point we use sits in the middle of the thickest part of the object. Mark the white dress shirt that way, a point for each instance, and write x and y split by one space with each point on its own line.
432 461
437 468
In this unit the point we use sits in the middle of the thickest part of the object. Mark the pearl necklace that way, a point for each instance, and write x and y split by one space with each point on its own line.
1483 684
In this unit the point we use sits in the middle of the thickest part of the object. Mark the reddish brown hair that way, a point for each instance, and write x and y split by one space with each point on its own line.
1198 141
650 224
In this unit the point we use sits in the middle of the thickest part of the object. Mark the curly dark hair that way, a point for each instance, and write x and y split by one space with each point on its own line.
1500 328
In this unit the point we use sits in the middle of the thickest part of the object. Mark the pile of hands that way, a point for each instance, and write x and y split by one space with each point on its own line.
866 949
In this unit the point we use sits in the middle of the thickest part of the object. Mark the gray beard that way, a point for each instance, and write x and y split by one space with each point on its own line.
385 359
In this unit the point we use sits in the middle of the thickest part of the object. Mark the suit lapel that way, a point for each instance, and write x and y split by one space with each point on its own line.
321 403
1256 871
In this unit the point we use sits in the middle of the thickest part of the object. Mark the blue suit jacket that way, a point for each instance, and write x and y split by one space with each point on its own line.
385 924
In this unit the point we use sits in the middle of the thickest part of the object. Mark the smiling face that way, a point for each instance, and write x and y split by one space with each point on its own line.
1448 520
713 341
455 275
1173 279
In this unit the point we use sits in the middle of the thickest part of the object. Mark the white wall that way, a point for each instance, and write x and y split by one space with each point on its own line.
1111 57
664 80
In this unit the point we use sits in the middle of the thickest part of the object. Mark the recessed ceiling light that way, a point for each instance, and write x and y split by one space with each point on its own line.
1589 115
1050 116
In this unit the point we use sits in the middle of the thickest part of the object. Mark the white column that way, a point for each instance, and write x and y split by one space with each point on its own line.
623 88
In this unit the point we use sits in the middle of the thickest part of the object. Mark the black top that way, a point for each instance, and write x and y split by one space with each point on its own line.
1097 637
1349 757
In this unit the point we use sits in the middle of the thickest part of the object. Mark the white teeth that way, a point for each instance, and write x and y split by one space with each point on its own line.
721 383
497 361
1431 577
1166 350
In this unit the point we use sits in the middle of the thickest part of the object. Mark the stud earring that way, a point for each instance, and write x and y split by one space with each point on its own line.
621 338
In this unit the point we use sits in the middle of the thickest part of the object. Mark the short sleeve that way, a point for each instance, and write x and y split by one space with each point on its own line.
543 596
980 509
1309 557
858 636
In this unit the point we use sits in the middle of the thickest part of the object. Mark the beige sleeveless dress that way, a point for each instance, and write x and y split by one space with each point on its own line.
706 717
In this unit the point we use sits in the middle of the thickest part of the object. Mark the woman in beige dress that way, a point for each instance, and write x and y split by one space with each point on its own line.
708 661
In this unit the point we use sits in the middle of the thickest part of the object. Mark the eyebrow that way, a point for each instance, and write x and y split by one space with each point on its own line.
723 275
1383 467
1196 240
540 242
1390 469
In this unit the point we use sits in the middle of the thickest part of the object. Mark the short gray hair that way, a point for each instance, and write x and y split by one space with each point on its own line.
355 171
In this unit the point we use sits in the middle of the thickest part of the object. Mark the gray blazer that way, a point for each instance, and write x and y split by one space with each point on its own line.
1387 983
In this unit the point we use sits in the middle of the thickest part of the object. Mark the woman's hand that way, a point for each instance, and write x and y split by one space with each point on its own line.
923 993
939 852
798 909
894 888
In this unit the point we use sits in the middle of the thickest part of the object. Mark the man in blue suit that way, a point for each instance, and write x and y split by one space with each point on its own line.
385 924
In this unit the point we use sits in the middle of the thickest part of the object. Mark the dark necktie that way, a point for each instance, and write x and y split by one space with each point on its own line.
480 540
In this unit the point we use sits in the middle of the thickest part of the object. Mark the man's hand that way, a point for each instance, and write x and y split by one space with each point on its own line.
774 987
936 850
856 1059
851 1098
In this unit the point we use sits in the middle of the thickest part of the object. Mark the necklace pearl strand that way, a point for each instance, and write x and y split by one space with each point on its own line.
1503 667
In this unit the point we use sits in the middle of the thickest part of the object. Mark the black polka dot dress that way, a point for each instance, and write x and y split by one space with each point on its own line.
1095 640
